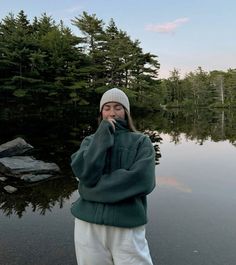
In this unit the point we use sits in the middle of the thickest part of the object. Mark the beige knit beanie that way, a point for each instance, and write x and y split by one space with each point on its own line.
115 95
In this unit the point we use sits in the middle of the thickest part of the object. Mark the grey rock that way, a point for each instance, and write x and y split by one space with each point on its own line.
15 147
3 178
35 177
10 189
17 166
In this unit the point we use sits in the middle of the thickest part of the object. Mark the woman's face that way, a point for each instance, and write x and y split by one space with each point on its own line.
113 110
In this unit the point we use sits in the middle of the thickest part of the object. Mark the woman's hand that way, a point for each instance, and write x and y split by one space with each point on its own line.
112 122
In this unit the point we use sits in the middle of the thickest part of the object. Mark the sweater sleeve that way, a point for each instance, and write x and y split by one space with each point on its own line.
88 162
122 184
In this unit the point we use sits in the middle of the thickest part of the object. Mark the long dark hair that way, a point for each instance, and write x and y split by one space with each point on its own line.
130 121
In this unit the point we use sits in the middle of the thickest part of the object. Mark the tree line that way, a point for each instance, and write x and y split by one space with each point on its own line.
215 89
45 62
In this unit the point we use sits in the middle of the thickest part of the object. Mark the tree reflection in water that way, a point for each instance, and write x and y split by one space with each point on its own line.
155 139
41 197
56 135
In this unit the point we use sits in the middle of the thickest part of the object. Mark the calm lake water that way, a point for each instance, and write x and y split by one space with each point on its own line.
191 212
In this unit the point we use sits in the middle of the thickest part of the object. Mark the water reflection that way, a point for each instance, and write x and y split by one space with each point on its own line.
155 139
54 141
172 182
56 136
41 197
192 209
198 125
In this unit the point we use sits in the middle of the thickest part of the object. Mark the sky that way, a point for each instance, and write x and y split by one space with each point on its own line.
183 34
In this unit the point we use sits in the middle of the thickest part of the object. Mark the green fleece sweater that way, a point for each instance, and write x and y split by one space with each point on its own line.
116 170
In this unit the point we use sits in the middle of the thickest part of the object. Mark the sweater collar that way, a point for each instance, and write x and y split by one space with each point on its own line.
121 125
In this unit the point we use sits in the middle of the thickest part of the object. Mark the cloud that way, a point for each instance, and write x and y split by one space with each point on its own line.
168 27
73 9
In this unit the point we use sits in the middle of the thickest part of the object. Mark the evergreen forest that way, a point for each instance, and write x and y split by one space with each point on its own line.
43 62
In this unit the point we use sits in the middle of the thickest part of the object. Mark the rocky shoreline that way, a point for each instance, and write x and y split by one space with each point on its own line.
16 166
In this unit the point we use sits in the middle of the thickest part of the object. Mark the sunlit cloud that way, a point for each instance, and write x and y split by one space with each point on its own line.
73 9
173 183
168 27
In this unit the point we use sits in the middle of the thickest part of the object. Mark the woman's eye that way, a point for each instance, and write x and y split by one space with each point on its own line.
118 108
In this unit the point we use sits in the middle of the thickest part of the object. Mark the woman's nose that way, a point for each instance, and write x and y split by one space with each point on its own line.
112 113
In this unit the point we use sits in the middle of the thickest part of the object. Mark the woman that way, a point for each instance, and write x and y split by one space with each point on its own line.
116 170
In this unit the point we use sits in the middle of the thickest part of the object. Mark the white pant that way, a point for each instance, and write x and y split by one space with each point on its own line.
108 245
